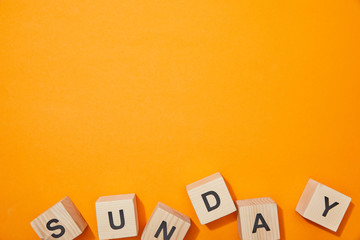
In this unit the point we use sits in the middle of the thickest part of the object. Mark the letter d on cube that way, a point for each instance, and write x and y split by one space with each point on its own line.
210 198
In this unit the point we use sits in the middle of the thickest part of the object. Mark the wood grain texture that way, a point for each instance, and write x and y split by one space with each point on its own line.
67 215
114 204
172 218
312 205
214 183
248 210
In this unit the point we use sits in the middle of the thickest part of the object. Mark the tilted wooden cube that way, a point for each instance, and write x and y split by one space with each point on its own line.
323 205
258 219
166 223
210 198
117 216
62 221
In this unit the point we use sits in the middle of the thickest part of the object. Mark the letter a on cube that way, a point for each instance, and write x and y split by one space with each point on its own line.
117 216
323 205
258 219
62 221
166 223
210 198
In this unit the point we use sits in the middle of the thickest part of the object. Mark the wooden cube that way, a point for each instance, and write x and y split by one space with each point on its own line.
323 205
210 198
166 223
117 216
62 221
258 219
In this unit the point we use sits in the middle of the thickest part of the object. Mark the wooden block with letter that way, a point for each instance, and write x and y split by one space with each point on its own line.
323 205
258 219
210 198
61 221
166 223
117 216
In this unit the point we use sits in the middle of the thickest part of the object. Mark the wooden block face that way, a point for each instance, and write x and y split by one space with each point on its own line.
166 223
117 216
62 221
323 205
258 219
210 198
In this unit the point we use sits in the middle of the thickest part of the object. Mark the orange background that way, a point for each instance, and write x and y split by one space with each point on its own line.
110 97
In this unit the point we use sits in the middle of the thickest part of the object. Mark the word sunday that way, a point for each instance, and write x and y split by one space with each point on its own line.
117 215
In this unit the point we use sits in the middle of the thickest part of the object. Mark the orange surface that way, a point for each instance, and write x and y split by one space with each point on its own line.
112 97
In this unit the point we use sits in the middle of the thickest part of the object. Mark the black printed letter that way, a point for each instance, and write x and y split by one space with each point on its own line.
217 198
327 207
164 227
122 220
263 223
56 227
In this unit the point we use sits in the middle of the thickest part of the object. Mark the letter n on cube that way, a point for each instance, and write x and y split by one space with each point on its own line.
166 223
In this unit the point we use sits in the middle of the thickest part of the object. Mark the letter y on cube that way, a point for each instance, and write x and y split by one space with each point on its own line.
323 205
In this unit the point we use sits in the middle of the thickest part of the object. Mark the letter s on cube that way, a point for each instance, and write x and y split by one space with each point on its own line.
61 221
210 198
323 205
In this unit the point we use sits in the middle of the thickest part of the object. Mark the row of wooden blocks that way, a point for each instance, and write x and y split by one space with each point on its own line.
117 215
